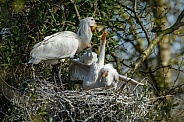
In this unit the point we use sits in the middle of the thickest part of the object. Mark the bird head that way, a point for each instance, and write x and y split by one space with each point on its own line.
91 22
86 26
104 74
104 36
109 75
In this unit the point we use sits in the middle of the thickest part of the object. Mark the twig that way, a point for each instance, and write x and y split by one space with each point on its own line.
134 11
156 98
29 114
53 16
93 105
125 6
160 67
64 107
76 10
156 40
139 22
135 6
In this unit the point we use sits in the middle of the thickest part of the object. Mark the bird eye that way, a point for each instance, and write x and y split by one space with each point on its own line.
92 19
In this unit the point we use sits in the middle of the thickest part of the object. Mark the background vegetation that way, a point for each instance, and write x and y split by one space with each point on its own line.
142 42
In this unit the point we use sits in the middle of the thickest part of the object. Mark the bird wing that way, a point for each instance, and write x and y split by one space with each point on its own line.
78 70
126 79
59 45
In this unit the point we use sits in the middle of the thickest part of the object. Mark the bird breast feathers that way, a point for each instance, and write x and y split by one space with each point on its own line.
112 76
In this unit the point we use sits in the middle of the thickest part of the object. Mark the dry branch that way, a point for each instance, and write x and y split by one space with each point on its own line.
76 10
156 40
129 104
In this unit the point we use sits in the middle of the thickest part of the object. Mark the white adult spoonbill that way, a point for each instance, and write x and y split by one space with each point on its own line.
63 44
97 74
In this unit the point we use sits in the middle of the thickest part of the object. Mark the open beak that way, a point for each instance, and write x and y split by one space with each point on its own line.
93 27
104 74
104 35
88 46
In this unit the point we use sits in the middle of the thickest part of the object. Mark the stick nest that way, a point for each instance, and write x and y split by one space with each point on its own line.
39 100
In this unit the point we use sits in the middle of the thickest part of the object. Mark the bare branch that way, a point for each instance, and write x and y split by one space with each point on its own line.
70 105
180 17
135 6
134 11
154 70
76 10
139 22
125 6
156 40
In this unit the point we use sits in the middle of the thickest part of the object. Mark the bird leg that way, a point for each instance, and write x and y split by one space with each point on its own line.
59 74
33 71
54 76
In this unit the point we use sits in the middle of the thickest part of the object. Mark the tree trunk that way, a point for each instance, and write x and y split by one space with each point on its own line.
164 47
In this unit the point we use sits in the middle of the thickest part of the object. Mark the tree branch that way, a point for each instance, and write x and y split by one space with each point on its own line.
135 6
156 40
76 10
125 6
134 11
140 23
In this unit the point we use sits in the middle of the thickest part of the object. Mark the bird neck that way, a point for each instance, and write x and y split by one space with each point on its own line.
102 54
89 52
85 33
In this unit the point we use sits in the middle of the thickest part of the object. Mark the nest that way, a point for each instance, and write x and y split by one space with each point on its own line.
39 100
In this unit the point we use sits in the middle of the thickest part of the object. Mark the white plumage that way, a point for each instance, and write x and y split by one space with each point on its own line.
111 79
80 67
89 72
88 57
63 44
56 47
52 47
97 74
